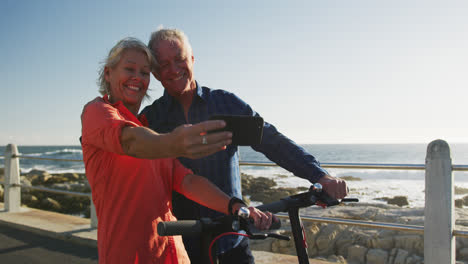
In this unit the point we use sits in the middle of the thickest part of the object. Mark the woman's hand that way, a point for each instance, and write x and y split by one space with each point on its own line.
192 141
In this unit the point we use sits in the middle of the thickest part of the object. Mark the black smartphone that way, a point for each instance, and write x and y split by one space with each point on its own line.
246 130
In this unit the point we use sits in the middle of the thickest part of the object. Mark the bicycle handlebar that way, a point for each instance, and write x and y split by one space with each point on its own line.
315 196
195 227
185 227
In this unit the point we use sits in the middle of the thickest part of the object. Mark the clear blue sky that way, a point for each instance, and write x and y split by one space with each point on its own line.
321 71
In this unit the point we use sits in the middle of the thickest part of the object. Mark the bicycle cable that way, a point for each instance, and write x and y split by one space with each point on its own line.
218 237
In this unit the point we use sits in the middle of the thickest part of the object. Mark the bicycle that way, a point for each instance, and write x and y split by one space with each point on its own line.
213 229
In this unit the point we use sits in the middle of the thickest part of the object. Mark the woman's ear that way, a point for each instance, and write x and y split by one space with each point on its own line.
106 74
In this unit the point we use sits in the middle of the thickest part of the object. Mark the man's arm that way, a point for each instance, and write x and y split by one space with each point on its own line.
202 191
184 141
294 158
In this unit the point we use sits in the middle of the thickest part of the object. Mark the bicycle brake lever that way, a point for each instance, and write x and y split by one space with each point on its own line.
348 200
277 236
272 235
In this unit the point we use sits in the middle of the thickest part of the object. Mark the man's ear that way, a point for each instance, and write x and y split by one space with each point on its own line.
156 75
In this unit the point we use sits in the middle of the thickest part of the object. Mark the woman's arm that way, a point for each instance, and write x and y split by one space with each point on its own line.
202 191
183 141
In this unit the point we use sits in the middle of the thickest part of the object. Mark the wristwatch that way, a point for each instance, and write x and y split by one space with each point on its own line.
232 202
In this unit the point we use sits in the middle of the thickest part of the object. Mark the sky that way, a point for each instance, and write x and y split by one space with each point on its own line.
320 71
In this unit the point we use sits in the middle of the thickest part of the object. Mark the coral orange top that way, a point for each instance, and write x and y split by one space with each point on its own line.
131 195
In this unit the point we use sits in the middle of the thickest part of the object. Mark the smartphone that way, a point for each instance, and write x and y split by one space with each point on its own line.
246 130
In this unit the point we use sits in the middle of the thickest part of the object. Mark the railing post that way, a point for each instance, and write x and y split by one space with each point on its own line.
439 220
94 220
12 196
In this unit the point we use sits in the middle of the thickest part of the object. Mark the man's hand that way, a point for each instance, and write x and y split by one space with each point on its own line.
334 187
262 220
192 141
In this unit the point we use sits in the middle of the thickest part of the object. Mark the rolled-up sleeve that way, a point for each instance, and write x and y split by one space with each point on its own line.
102 126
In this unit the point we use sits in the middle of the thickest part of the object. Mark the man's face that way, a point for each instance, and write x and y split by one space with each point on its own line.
175 70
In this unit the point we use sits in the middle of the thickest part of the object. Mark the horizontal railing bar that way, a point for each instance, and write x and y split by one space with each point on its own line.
389 226
460 233
387 166
374 166
460 167
362 166
376 225
45 189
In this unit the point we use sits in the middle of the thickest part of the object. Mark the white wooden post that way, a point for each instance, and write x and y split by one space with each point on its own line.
439 220
94 220
12 196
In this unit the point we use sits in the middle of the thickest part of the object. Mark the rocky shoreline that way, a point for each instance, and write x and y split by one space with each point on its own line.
351 244
334 243
61 203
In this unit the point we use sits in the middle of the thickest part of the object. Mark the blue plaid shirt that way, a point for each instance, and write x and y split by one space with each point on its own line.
222 168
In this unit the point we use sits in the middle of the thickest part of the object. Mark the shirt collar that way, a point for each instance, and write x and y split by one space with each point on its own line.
199 93
124 110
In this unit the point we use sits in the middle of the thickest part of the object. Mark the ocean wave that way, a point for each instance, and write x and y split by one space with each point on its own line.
61 152
54 169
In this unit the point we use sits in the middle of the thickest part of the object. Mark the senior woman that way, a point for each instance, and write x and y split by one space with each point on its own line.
133 171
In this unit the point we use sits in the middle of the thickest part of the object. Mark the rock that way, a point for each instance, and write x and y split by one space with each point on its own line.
401 256
261 189
36 172
413 243
463 254
465 200
325 241
383 242
71 176
350 178
262 245
357 253
272 195
29 199
312 230
336 259
459 203
25 181
38 177
282 246
460 190
462 242
398 200
50 204
56 179
376 256
414 259
252 184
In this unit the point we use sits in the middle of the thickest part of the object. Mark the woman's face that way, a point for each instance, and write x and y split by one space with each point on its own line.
129 79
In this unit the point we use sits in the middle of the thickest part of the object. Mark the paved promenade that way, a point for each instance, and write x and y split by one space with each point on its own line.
34 236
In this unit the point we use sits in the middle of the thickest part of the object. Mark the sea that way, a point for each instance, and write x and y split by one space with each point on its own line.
373 184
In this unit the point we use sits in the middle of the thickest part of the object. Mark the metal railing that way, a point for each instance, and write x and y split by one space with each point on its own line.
13 185
438 229
361 223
